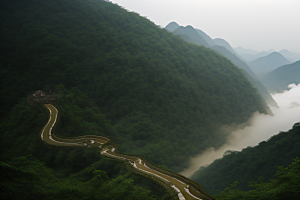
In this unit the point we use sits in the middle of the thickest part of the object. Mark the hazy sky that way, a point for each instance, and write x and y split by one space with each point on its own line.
256 24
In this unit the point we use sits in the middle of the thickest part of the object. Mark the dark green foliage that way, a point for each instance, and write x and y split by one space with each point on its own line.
28 178
285 186
78 115
250 163
234 59
164 98
252 78
117 75
188 34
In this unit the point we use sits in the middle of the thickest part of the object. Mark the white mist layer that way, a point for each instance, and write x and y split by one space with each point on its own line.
261 128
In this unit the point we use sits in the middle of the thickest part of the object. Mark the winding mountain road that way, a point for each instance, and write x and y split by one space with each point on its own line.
182 188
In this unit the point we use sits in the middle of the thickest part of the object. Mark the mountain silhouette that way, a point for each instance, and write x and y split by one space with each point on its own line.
263 65
241 51
234 59
250 55
206 37
189 34
172 26
224 43
279 79
293 57
250 75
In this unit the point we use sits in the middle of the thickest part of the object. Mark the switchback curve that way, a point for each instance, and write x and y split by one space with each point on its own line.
182 187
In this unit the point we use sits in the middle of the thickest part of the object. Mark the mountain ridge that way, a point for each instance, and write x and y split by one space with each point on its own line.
234 58
250 163
164 98
279 79
172 26
189 34
263 65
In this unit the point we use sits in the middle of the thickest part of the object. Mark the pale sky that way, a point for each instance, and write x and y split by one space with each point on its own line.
256 24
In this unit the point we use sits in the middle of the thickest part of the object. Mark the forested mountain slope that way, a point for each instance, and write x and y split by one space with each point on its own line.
234 59
163 98
279 79
251 162
205 37
223 43
284 186
189 34
64 173
28 178
252 78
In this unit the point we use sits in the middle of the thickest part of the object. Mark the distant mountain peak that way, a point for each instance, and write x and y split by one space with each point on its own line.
279 79
263 65
189 34
172 26
241 51
271 50
275 54
293 57
173 23
189 26
284 51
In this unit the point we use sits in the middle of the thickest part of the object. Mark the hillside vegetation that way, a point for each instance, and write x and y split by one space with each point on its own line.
33 170
250 163
163 98
284 186
28 178
197 36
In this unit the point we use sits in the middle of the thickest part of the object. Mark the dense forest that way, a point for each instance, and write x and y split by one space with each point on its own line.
159 96
33 170
197 36
251 163
285 186
118 75
28 178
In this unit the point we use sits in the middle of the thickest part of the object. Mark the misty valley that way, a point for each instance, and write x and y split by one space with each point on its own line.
181 115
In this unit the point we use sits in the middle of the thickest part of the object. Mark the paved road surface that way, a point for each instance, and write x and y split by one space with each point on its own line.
47 136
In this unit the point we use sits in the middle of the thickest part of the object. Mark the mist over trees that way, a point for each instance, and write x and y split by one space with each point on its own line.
251 163
119 75
197 36
165 98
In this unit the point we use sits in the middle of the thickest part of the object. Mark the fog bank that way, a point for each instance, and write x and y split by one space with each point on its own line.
260 128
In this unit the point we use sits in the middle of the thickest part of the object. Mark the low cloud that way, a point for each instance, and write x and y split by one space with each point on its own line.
259 128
